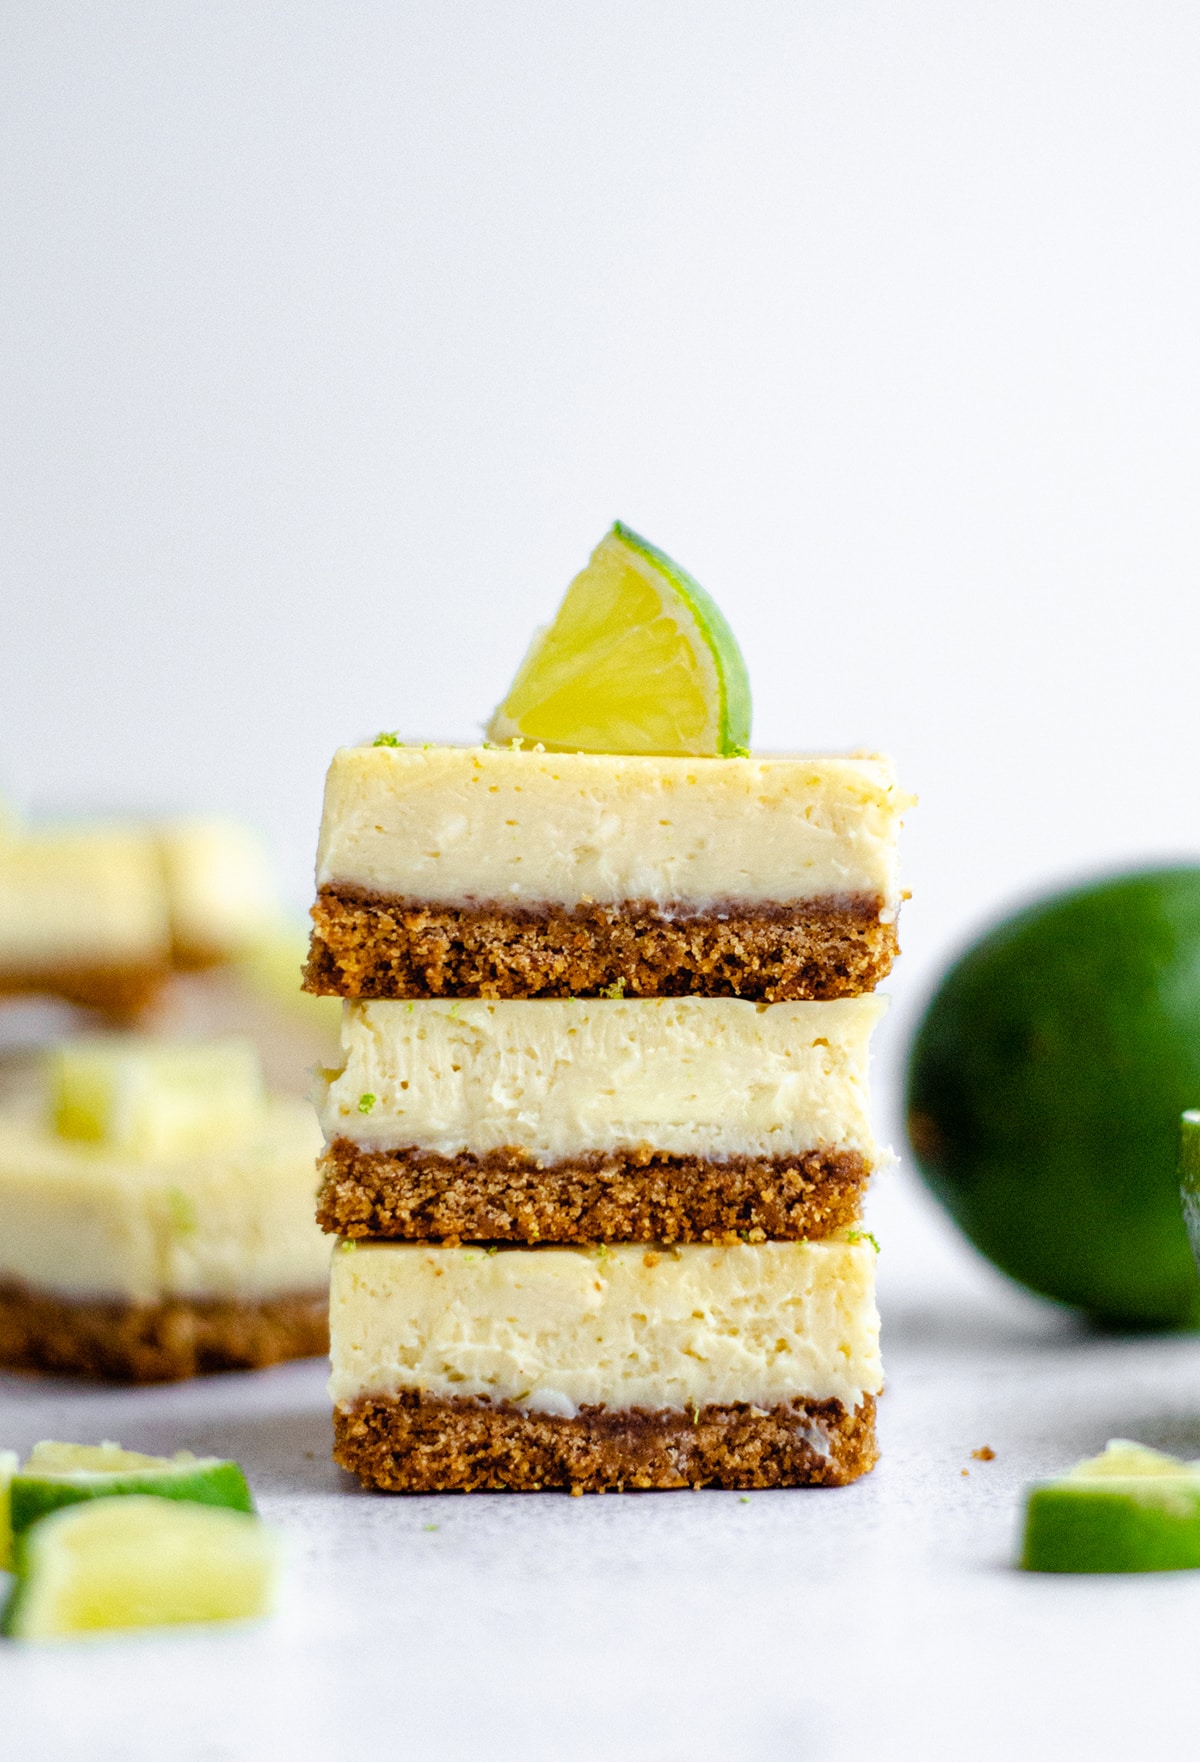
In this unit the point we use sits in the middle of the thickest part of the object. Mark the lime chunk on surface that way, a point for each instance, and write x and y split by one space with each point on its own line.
638 660
154 1098
139 1562
8 1468
1130 1509
65 1474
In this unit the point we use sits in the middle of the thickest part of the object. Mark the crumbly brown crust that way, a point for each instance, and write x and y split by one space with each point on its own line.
121 993
415 1443
160 1342
366 946
640 1195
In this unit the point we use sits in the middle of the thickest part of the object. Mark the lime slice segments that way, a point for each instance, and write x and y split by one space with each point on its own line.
1129 1510
139 1562
638 659
66 1474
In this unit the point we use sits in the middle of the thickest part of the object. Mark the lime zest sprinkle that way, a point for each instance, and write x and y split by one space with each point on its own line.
431 1526
738 752
349 1245
862 1236
745 1499
392 739
366 1101
494 1249
615 990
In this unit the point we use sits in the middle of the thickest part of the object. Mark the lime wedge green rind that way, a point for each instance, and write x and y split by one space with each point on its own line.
35 1492
138 1562
732 677
1129 1510
9 1461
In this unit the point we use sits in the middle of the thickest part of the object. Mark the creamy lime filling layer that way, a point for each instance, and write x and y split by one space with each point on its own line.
714 1077
91 898
458 826
112 897
82 1222
556 1329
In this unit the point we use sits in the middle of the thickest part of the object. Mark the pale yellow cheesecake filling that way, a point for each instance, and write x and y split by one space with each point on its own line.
100 897
220 888
90 898
474 825
714 1077
556 1329
83 1221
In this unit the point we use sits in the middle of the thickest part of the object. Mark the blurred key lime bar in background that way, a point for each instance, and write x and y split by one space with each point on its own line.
101 913
156 1214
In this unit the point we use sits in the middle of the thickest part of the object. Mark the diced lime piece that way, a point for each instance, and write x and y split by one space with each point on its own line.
156 1098
8 1468
139 1562
637 660
65 1474
1130 1509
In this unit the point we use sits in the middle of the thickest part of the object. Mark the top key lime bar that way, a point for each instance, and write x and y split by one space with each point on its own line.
448 871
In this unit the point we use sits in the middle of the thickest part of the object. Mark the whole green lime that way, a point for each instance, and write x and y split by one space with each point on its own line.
1045 1087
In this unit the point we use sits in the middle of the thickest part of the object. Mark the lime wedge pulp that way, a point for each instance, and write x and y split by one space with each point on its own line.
638 660
139 1562
66 1474
1130 1509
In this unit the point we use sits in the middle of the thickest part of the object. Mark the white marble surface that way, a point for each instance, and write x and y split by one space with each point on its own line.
885 1619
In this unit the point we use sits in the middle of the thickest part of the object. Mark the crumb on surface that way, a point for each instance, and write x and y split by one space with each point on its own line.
985 1453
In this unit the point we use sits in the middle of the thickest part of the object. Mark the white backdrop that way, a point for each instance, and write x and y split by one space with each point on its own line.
334 335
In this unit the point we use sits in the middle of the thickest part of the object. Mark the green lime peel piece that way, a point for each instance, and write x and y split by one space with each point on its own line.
67 1474
8 1468
1130 1509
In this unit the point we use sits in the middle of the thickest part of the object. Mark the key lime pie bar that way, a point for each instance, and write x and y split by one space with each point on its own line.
102 914
598 1140
753 1365
156 1216
473 872
607 1120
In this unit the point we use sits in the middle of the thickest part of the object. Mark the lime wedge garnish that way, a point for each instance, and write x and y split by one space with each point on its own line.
637 660
1130 1509
8 1468
139 1562
64 1474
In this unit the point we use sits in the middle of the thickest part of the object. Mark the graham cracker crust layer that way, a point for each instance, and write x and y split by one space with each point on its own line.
416 1443
157 1343
641 1195
366 946
121 993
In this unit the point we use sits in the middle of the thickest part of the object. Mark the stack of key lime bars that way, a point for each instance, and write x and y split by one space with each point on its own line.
597 1147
